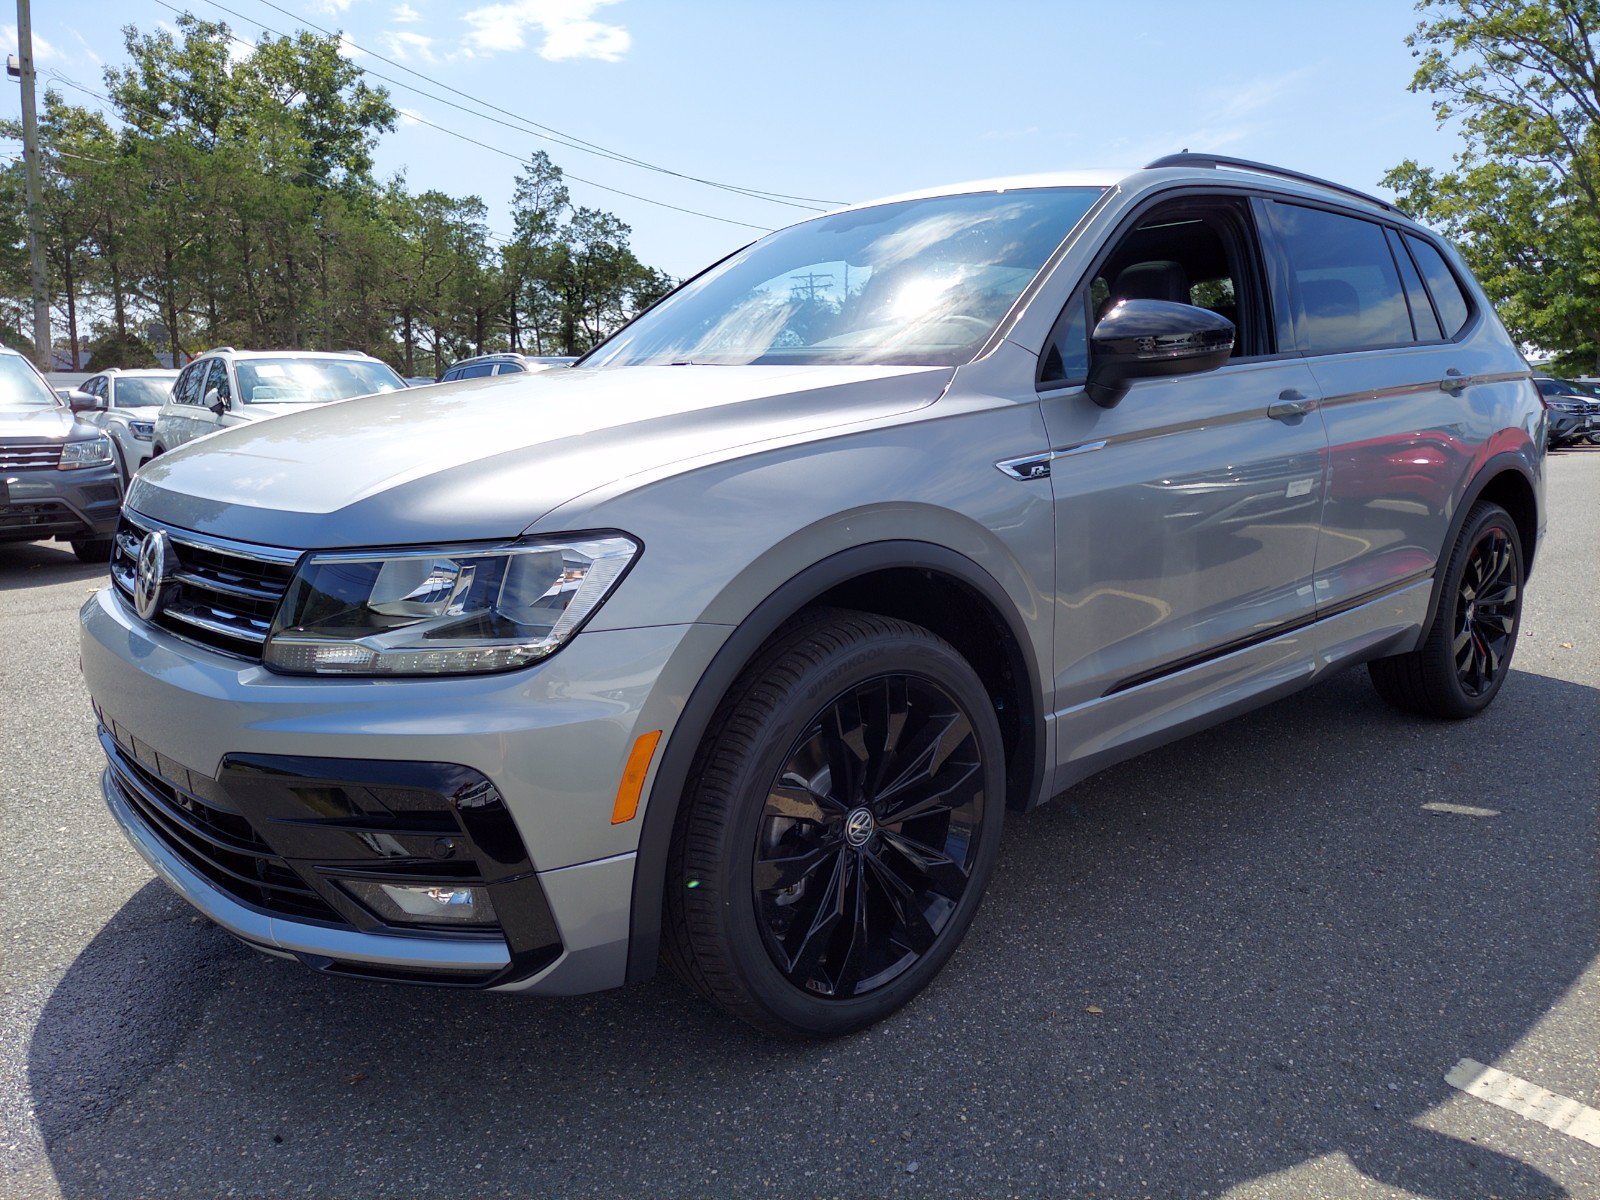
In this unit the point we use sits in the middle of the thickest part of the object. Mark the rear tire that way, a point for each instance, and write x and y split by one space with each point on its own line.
93 550
1465 655
840 823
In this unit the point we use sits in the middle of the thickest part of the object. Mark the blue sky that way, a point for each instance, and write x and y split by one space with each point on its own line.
841 101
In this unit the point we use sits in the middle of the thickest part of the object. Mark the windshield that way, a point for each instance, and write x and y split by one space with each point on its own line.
310 380
143 393
916 283
21 387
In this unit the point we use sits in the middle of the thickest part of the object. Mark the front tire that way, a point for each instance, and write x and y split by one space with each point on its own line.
1466 653
840 824
93 550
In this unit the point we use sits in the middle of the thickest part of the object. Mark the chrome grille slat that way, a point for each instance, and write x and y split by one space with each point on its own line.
222 594
23 458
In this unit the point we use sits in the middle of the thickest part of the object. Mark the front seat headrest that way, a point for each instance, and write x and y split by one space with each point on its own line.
1156 280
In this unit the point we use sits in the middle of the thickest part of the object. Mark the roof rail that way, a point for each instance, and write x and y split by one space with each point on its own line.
216 350
1186 159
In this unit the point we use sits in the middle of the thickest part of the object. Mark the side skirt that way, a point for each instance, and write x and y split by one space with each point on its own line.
1143 715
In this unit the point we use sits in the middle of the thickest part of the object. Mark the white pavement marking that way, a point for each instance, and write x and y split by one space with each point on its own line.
1460 810
1560 1113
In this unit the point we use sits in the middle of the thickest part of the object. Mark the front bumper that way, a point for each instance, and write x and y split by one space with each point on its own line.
552 739
51 503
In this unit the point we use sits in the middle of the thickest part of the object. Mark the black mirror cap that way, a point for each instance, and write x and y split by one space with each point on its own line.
1143 339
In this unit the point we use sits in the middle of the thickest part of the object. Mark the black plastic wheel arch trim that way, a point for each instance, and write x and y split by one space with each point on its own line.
1025 778
1508 460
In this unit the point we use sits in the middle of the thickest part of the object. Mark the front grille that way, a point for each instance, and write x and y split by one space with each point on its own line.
221 595
221 846
23 457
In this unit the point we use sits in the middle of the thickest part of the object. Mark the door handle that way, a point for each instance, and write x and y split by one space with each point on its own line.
1454 382
1289 405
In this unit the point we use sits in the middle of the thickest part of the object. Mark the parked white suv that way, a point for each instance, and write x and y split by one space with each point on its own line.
126 404
227 387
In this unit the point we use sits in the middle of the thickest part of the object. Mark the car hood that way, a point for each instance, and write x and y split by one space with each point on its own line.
486 458
37 424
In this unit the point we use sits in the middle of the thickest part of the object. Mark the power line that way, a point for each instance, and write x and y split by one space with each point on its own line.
517 158
523 124
572 141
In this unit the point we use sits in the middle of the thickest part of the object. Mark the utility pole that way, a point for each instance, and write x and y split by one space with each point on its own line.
30 162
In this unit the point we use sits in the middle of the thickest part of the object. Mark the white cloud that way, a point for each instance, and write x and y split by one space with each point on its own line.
404 44
240 49
43 51
404 14
332 7
567 28
88 50
348 49
408 116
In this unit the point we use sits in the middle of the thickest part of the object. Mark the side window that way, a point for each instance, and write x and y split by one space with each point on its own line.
475 371
219 380
1348 284
1199 252
1447 294
511 368
1423 319
187 389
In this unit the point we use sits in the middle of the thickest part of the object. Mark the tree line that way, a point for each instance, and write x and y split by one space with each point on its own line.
230 199
1520 80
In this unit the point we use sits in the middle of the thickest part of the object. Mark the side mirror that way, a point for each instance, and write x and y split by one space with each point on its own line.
214 401
80 401
1142 339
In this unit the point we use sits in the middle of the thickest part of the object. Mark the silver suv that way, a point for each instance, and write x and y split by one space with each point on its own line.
733 643
226 387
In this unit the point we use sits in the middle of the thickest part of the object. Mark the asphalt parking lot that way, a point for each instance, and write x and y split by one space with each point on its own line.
1243 965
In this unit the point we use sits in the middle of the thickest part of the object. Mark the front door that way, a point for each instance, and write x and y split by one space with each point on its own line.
1187 515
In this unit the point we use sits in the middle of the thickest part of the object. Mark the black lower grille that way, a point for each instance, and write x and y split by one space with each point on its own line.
221 846
40 514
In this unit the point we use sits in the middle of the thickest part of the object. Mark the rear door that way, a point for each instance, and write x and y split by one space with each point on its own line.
1187 515
1397 447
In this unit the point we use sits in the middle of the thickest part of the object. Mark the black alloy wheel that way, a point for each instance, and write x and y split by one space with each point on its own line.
839 826
1465 653
868 836
1487 605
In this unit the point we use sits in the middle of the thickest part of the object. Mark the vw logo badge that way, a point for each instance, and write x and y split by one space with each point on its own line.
858 827
151 574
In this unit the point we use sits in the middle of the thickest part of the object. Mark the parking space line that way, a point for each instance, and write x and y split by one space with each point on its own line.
1529 1100
1460 810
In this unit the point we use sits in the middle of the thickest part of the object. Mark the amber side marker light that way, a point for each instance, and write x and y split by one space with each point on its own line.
632 785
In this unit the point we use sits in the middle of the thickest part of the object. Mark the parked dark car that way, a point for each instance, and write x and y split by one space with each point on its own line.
58 477
1574 410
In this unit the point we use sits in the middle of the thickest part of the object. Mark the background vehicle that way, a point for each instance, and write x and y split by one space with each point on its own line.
228 387
58 478
737 640
125 406
501 364
1574 412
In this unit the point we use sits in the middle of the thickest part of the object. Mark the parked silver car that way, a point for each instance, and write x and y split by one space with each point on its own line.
227 387
125 406
736 640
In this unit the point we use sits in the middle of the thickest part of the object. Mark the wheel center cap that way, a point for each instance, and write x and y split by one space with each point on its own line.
859 827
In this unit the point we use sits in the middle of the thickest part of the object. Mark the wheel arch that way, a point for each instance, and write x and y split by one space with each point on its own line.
953 595
1506 480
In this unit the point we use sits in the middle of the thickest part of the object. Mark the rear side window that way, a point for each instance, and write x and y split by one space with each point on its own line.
473 372
511 368
1423 318
187 390
1349 286
1448 297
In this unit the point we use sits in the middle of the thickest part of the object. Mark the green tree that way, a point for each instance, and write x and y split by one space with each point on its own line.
1521 80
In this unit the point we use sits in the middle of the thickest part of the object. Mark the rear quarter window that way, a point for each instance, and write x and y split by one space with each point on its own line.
1448 297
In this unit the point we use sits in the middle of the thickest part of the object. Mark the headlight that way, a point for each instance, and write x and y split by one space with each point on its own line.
445 611
95 452
145 431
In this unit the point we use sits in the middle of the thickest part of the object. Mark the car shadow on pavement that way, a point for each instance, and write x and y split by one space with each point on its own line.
39 564
1233 956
